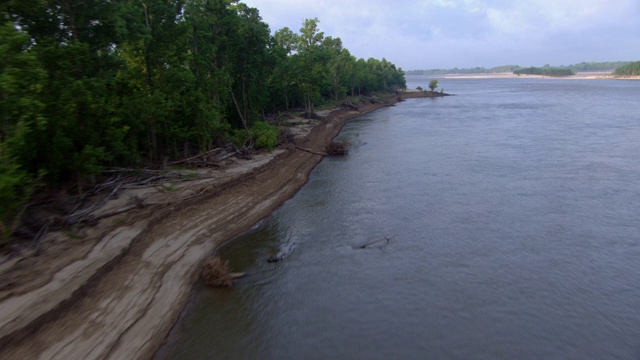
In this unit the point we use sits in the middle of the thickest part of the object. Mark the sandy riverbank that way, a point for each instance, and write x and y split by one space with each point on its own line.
114 290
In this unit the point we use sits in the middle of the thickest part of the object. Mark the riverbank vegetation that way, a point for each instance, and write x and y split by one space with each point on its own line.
631 69
96 84
545 71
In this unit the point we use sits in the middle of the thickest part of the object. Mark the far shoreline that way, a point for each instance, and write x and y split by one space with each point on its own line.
587 75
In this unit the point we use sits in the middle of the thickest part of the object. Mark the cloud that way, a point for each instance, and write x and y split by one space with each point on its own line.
463 33
553 16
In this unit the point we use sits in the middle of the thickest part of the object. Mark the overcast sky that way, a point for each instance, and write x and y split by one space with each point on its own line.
430 34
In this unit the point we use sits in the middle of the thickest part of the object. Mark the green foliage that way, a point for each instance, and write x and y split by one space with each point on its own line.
433 84
546 71
320 69
89 160
631 69
262 135
14 192
597 66
265 136
239 137
86 85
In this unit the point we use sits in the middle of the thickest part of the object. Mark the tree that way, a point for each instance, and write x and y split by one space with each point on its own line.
249 55
360 77
286 39
310 70
310 36
433 84
338 66
281 80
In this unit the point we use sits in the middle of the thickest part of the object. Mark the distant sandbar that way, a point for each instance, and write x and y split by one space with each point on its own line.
587 75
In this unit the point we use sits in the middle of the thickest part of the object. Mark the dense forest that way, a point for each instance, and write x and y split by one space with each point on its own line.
91 84
631 69
583 66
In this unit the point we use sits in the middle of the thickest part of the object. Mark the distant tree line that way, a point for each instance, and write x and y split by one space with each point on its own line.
475 70
583 66
546 71
95 83
597 66
631 69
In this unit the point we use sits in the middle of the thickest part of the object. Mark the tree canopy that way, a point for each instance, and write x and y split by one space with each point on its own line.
433 84
90 84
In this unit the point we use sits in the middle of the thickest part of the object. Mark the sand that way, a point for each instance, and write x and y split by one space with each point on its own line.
113 291
508 75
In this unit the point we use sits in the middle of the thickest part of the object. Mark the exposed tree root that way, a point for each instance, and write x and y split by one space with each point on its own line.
336 148
215 272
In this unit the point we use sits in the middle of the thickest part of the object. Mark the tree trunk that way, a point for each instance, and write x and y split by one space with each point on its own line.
244 122
244 97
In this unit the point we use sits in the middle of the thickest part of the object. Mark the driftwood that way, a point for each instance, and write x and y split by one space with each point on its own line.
310 151
246 151
197 157
84 215
38 238
139 204
350 105
336 148
85 206
215 272
373 100
286 137
380 243
54 214
194 195
332 149
205 159
139 178
310 115
281 254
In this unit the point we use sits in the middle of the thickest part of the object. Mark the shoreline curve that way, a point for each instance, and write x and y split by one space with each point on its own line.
119 295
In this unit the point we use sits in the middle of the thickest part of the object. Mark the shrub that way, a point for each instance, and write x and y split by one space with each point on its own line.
239 137
265 135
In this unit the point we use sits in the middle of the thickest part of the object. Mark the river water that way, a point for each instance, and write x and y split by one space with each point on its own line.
512 213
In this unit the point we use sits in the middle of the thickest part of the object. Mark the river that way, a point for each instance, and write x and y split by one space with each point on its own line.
512 213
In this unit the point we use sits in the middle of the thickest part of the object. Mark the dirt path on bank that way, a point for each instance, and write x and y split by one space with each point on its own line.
115 292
